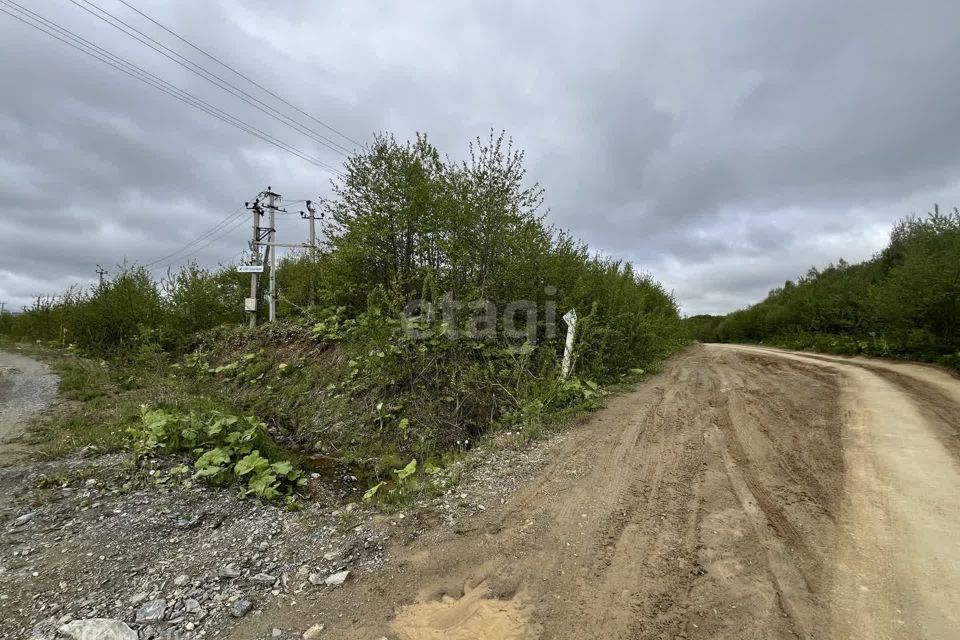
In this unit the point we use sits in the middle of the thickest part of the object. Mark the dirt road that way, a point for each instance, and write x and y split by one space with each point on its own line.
26 388
742 493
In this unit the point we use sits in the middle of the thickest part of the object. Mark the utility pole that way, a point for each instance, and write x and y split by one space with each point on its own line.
267 200
2 305
312 243
313 217
251 303
101 272
272 207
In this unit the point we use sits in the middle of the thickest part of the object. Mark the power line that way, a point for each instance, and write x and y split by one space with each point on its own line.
245 77
238 212
85 46
148 78
209 76
226 231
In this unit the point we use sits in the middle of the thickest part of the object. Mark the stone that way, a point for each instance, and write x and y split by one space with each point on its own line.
337 579
98 629
191 605
137 598
151 611
181 580
316 578
187 522
228 572
263 579
275 633
22 520
313 633
241 608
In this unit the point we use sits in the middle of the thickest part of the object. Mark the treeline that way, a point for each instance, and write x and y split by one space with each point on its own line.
405 222
905 302
133 311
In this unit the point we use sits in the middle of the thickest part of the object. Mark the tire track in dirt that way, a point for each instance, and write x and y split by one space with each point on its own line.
935 391
898 559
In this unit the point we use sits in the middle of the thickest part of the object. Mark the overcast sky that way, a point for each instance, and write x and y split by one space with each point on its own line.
723 147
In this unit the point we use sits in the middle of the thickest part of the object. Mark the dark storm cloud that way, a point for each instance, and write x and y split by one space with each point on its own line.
724 148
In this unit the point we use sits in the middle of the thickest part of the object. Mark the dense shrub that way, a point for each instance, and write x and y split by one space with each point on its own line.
132 310
406 224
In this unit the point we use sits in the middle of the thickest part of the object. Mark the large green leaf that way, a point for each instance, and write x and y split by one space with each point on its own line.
407 471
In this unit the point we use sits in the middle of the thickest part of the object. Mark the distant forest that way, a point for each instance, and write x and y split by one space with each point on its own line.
903 303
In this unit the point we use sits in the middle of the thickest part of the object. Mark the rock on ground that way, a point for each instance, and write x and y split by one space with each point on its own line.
98 629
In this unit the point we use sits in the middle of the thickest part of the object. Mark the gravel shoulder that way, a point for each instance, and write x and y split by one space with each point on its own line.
27 387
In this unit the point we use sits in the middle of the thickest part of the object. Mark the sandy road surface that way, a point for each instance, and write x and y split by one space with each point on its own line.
742 493
26 388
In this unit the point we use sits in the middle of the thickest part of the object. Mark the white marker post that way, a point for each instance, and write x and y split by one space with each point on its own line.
570 317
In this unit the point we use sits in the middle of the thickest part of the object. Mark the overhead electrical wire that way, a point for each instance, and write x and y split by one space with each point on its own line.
229 229
207 75
238 213
238 73
232 221
83 45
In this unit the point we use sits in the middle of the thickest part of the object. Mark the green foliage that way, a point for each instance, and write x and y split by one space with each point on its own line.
402 487
407 224
704 328
226 449
903 303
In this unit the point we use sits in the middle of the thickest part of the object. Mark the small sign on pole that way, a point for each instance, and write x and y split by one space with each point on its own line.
570 317
250 305
250 268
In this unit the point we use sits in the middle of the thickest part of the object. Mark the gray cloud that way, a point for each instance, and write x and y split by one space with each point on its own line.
723 150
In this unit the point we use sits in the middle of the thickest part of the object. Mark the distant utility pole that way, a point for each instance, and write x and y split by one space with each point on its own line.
2 305
101 272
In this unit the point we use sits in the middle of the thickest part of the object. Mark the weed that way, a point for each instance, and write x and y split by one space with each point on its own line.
227 449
